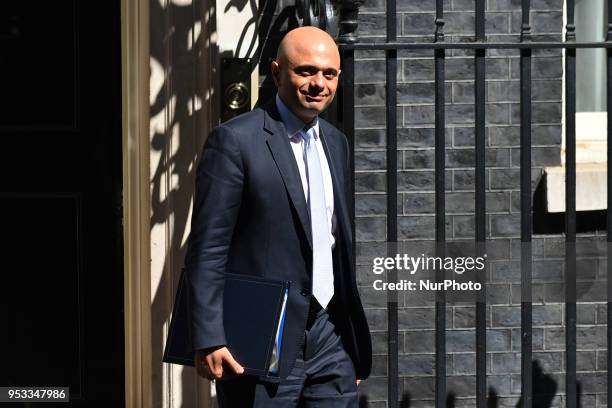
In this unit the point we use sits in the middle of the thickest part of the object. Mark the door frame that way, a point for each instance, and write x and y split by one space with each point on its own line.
136 201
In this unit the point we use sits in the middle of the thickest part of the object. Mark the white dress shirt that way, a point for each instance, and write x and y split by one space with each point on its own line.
293 125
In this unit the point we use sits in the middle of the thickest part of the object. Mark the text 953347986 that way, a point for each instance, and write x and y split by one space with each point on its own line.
34 394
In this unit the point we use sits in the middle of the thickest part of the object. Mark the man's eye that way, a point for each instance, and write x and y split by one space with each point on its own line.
330 74
304 72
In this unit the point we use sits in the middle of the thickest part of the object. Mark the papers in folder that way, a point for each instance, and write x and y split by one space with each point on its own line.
279 337
253 317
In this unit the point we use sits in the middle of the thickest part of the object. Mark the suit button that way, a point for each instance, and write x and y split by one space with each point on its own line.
305 292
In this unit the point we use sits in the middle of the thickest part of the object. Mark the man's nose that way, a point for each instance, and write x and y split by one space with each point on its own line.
318 80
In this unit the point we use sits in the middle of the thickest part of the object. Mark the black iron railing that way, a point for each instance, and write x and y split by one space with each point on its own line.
349 42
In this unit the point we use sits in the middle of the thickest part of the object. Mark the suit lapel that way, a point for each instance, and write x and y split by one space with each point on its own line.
280 147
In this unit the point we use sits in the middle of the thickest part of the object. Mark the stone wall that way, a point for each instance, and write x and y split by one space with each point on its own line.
416 222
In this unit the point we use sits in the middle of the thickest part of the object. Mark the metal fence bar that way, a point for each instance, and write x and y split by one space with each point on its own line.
348 124
440 140
476 45
480 206
570 210
609 206
392 311
526 217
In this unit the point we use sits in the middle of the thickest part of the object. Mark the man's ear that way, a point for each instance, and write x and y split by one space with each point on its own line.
275 69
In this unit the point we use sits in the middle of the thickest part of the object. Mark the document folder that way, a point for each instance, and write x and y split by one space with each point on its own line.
252 309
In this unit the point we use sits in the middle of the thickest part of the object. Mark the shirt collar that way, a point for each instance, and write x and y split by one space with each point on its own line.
292 123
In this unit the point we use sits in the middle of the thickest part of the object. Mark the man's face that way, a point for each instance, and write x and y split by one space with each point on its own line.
307 78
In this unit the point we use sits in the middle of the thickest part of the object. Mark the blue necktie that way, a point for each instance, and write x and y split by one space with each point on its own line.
322 265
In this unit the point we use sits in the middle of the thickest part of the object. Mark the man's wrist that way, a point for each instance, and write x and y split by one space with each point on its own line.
211 349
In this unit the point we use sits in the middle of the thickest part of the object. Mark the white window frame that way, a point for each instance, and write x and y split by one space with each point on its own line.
591 159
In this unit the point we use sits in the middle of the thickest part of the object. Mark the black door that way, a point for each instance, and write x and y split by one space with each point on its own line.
60 199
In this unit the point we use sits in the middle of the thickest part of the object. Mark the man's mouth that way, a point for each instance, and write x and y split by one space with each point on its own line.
314 98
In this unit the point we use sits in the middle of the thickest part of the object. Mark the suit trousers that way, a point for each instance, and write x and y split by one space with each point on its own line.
323 376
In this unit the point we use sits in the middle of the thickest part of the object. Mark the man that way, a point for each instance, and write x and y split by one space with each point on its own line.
271 201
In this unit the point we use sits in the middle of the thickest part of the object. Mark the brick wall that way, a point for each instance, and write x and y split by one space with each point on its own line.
416 205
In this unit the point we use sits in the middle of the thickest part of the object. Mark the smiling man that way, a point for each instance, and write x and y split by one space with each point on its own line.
271 201
306 72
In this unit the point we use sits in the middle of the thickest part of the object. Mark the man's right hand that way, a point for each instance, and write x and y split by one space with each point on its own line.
210 363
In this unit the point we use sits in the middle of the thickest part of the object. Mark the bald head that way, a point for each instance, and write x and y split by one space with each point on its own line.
302 39
306 71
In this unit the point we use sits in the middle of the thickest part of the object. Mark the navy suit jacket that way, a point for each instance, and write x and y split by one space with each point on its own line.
250 217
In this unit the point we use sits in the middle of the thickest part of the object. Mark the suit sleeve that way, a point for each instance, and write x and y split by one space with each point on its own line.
218 195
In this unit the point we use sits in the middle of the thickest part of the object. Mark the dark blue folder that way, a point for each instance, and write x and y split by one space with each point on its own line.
252 308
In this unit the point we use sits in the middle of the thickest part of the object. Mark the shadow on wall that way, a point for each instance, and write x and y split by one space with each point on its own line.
179 61
544 391
182 111
250 26
272 29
